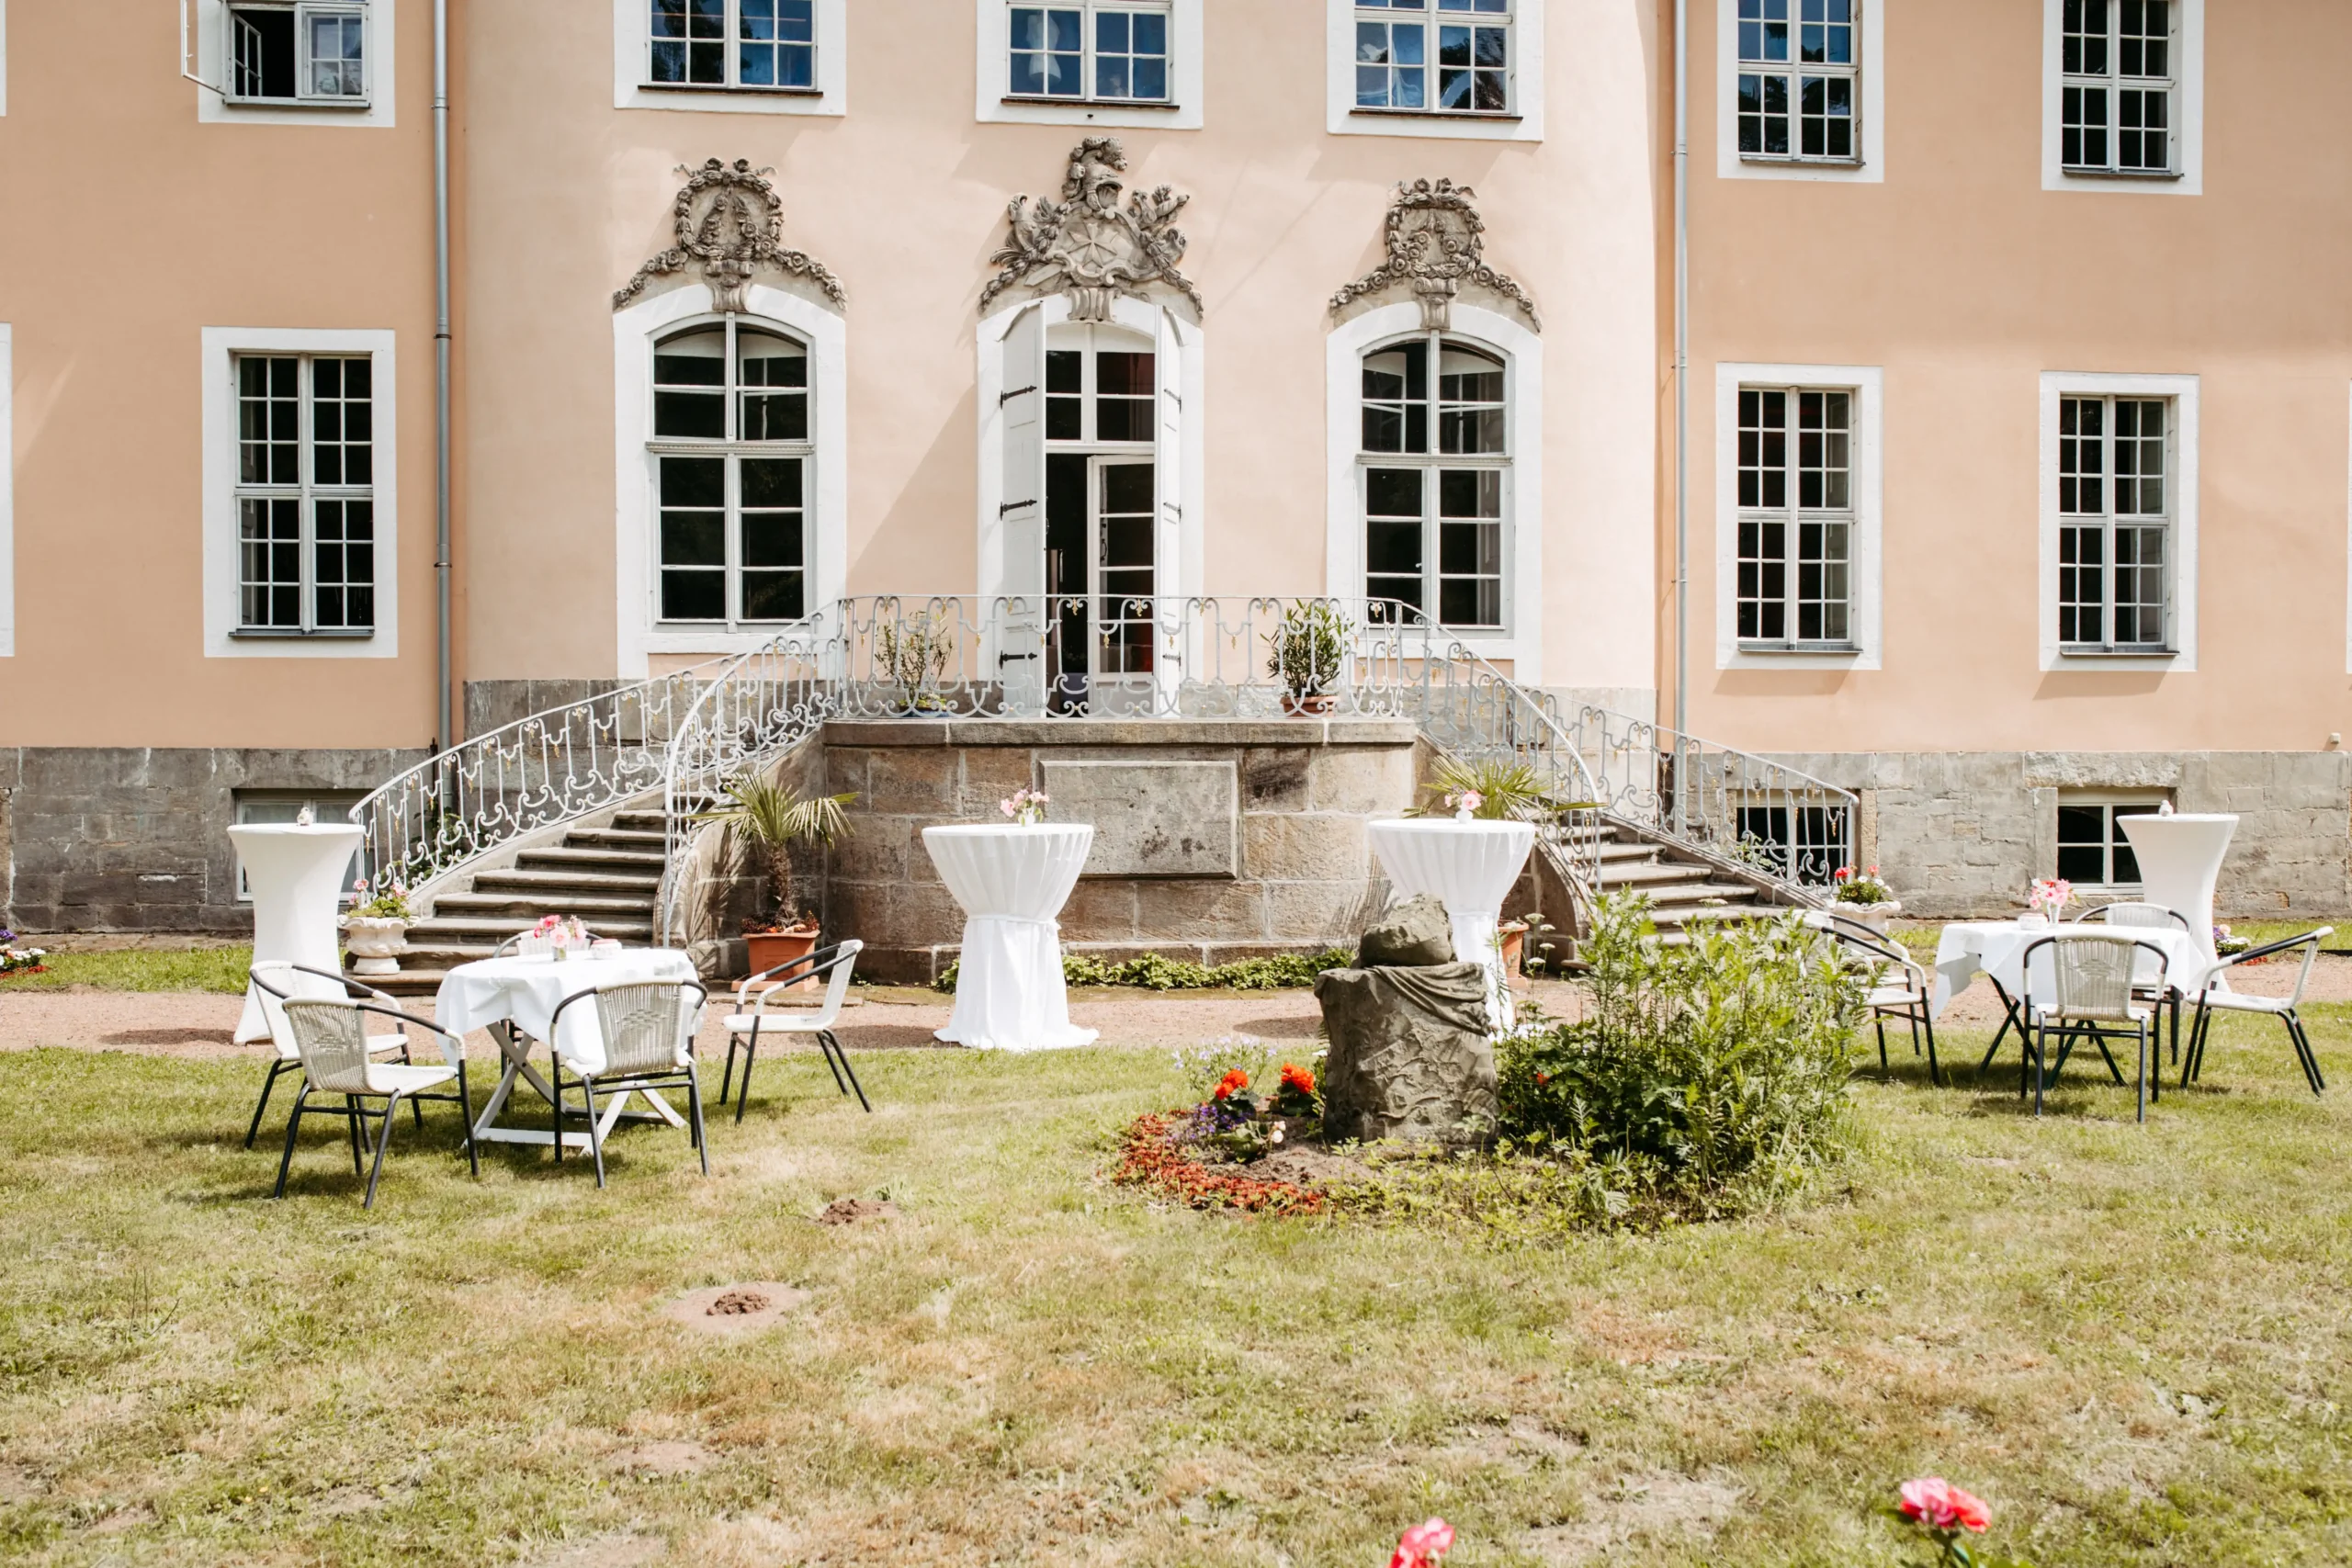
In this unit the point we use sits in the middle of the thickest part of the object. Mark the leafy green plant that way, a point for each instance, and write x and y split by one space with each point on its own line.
1502 787
1309 649
1717 1070
768 818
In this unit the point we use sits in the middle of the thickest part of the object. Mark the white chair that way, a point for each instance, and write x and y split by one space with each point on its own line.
751 1016
1899 985
2209 1001
338 1058
277 981
2091 998
648 1032
2130 913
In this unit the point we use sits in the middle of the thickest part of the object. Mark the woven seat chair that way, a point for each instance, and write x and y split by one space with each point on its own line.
2089 997
751 1018
1899 984
278 980
648 1031
338 1059
2129 913
2211 1000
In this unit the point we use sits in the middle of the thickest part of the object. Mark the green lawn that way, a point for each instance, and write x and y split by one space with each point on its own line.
2133 1341
218 969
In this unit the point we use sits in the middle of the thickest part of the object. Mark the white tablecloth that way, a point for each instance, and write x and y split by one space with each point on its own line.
1997 947
2180 857
295 874
1471 866
526 991
1012 881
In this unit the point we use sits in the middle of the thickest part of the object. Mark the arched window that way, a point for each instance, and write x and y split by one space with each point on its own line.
1436 474
732 449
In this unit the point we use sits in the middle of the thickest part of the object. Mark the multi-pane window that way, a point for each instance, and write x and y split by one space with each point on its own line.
1117 53
1796 517
1807 844
1435 465
732 43
2093 849
305 494
2116 91
1453 56
2114 524
732 445
299 52
1797 87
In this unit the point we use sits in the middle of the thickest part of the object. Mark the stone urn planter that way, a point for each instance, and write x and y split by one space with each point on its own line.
1874 916
769 949
375 943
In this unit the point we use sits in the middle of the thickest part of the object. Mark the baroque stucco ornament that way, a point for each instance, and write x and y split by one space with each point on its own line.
731 221
1435 244
1087 245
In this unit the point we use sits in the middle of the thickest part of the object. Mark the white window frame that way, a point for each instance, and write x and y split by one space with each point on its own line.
214 65
2138 800
1433 462
1180 110
7 491
307 493
2182 480
632 66
1867 554
222 346
636 532
1868 168
4 59
2187 176
1524 122
1521 642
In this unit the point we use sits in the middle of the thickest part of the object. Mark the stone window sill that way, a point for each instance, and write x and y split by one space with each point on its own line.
277 634
1478 116
722 89
1038 100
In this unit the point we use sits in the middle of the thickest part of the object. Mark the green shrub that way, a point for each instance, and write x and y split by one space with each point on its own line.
1155 972
1713 1074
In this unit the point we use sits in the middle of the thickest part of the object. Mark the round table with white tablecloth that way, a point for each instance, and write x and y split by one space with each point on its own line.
294 872
1998 948
1013 880
1469 865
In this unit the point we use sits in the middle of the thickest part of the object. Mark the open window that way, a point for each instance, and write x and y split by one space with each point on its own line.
291 51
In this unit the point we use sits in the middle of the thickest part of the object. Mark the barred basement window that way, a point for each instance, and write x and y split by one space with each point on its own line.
1090 53
1798 86
298 53
1433 513
731 439
2114 524
2117 60
305 495
1796 518
1461 62
1807 844
754 44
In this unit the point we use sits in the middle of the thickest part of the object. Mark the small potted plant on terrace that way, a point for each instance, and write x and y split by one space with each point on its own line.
1866 898
1310 654
769 819
912 654
375 930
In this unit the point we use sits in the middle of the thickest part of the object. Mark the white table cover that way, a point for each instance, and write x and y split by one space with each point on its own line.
1471 866
1997 947
526 991
2180 857
1012 881
295 874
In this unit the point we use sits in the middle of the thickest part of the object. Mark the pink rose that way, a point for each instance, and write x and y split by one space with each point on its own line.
1939 1505
1423 1545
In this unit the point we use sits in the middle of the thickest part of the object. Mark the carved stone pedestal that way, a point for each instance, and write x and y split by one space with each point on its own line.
1409 1057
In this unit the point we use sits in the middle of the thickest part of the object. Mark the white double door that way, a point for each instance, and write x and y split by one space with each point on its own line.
1101 571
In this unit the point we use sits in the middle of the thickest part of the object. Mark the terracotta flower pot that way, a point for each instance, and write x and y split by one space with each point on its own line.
1514 935
1307 705
772 948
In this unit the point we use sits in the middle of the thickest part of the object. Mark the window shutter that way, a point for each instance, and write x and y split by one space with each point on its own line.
1167 470
1020 654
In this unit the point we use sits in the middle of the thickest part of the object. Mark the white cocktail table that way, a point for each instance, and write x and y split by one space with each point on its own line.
516 999
2180 859
1012 881
295 874
1470 865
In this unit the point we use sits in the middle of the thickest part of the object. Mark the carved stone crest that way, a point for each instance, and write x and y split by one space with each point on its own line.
1435 244
1087 245
730 221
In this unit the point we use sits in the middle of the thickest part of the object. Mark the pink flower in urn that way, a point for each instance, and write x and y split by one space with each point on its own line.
1421 1546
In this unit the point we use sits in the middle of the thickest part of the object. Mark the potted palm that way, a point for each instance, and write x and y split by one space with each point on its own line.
1309 655
767 818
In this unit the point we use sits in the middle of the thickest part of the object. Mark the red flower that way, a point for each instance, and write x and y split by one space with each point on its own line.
1422 1545
1236 1080
1939 1505
1298 1078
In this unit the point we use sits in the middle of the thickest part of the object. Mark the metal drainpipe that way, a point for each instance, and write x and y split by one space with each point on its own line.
445 732
1681 393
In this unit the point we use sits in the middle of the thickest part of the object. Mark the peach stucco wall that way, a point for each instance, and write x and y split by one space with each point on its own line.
904 199
128 228
1965 281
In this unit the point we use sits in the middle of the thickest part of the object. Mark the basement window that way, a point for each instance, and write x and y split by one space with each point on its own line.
2093 849
298 53
328 807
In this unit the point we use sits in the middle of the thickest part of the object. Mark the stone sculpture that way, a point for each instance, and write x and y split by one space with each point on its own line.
1409 1057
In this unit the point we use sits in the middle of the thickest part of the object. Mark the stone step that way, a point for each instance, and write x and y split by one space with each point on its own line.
493 930
554 886
616 839
528 907
1693 893
570 859
1644 873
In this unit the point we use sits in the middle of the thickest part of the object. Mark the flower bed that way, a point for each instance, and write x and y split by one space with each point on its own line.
1152 1157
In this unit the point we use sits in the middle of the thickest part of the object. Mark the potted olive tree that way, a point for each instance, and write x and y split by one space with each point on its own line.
765 820
1309 655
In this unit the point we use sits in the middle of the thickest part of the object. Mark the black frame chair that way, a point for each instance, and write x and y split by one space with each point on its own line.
1883 950
2305 1056
356 1114
841 956
2095 1019
640 1065
353 991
